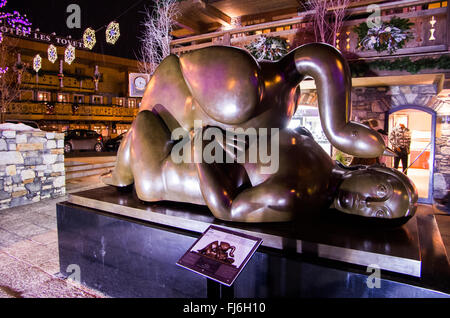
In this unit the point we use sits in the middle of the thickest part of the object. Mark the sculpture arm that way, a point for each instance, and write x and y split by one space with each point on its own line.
333 81
217 189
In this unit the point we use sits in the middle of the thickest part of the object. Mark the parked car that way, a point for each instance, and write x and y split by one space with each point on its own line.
82 139
114 143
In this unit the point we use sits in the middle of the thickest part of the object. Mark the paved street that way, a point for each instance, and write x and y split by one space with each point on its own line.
29 264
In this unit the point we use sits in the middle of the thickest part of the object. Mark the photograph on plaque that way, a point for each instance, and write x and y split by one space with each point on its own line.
220 254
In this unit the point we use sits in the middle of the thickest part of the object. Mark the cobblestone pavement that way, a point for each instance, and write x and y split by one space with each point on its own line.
29 263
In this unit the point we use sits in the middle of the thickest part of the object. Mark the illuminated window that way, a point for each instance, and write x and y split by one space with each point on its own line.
62 98
131 103
43 96
120 101
434 5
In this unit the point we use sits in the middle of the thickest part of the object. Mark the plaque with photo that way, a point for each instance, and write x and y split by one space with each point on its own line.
220 254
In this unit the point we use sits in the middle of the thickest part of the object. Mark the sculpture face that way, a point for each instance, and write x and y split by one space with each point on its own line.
379 193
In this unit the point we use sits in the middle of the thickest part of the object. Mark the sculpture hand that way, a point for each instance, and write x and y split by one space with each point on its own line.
232 144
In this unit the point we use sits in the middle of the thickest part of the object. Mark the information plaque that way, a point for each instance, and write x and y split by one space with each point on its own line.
220 254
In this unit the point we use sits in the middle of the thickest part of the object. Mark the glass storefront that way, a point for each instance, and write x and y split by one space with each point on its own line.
308 117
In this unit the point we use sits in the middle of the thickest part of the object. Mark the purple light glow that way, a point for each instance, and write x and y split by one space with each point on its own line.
3 70
15 19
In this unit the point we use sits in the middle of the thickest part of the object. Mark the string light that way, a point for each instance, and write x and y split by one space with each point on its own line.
112 32
69 54
15 19
37 63
89 39
3 71
52 53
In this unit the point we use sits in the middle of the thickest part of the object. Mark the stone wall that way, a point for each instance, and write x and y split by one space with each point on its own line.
31 167
442 161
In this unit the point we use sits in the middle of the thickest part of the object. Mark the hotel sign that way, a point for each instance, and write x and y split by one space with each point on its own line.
41 37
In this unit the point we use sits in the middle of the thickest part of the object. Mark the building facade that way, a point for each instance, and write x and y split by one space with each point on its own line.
90 93
410 85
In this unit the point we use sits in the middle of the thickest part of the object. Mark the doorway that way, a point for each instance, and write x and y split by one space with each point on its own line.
421 122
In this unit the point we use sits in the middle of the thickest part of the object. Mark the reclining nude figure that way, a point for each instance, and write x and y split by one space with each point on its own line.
224 88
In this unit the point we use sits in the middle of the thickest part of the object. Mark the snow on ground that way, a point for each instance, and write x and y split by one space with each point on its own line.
17 127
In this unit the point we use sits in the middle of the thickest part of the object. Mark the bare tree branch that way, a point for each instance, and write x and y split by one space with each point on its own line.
328 25
9 84
157 26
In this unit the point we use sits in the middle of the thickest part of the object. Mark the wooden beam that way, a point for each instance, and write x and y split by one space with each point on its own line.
304 16
213 13
188 25
448 25
293 11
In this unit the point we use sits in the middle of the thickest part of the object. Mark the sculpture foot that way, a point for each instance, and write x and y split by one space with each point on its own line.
108 179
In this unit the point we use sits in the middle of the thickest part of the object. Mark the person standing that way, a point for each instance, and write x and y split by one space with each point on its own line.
400 139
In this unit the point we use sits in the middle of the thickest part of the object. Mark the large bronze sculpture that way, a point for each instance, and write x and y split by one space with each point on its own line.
224 88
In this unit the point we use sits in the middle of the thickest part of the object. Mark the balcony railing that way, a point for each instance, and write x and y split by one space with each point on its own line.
66 111
429 30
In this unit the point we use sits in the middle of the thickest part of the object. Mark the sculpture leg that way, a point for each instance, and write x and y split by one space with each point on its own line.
150 145
140 156
121 176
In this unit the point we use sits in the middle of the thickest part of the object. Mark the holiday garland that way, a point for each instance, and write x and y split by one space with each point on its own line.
388 36
268 48
402 64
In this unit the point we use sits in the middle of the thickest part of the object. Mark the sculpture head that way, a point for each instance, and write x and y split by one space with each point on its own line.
377 192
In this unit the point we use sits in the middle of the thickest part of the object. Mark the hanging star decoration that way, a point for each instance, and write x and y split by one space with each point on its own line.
112 33
89 39
37 63
52 53
69 54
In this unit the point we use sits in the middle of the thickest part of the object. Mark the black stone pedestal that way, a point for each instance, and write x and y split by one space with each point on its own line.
125 248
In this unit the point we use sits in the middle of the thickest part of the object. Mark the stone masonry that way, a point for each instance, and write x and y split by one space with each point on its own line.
31 167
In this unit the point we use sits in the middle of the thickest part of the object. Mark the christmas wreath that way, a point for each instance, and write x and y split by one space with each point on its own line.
388 36
268 48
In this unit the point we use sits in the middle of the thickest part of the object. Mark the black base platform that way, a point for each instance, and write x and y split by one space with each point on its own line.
126 248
